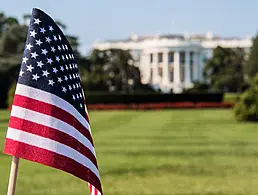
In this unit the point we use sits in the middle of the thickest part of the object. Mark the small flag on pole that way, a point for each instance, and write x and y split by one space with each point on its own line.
49 121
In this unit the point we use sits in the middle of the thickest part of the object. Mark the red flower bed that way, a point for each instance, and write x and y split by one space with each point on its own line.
151 106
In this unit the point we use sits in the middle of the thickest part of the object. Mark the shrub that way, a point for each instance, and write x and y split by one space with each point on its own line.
247 107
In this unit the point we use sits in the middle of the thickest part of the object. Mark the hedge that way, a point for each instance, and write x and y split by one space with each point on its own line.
108 98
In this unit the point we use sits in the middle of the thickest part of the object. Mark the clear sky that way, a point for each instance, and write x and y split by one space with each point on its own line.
93 20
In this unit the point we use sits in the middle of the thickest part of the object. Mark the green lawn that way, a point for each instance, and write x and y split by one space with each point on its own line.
183 152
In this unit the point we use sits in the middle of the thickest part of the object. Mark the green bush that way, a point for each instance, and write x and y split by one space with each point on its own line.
247 107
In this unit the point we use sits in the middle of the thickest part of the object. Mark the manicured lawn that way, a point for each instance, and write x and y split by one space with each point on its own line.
182 152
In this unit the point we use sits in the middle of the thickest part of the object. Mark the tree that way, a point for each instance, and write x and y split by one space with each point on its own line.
224 70
247 107
251 67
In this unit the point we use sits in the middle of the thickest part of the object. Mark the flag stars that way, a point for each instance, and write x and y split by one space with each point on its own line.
51 28
59 48
66 57
40 64
59 79
30 68
24 60
70 87
66 67
55 38
59 37
62 68
44 51
21 73
74 98
49 61
57 58
51 82
35 77
34 55
45 73
36 21
42 30
48 39
28 46
55 70
63 57
81 105
66 47
33 33
38 42
53 49
65 78
64 89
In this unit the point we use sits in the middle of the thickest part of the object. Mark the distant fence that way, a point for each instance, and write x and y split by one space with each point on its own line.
108 98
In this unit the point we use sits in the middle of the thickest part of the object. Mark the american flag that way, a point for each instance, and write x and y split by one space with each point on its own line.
49 121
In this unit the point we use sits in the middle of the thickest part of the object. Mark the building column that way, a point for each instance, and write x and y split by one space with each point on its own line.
196 66
200 68
155 74
187 80
165 74
176 67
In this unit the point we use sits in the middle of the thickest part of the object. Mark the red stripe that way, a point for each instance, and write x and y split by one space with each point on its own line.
51 159
53 134
53 111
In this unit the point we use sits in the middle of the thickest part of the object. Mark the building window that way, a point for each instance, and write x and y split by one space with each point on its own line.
151 58
171 71
171 57
182 57
160 71
160 57
192 65
182 72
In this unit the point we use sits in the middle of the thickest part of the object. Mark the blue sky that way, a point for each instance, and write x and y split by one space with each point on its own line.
93 20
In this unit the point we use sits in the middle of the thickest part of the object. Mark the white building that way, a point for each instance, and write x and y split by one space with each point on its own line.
173 62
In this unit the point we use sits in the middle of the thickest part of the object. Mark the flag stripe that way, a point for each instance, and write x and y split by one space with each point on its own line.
51 122
53 111
47 132
52 99
49 158
52 146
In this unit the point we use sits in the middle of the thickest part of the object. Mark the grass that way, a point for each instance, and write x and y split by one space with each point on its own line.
172 152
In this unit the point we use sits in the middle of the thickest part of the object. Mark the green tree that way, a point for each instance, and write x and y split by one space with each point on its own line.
224 70
247 107
251 67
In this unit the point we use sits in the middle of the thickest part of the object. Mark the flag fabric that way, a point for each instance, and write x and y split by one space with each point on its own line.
49 122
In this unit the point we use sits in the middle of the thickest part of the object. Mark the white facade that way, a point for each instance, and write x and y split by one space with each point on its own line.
173 62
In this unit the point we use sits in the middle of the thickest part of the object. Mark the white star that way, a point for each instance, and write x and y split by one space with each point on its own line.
44 51
42 30
57 58
77 85
34 55
53 49
70 76
24 60
74 76
51 28
66 67
70 88
81 105
51 82
33 33
55 70
48 39
66 78
59 79
63 47
64 89
21 73
80 95
58 47
55 38
28 46
35 77
45 73
70 56
59 37
63 57
70 66
40 64
49 60
66 57
77 95
30 68
61 68
36 21
38 42
66 47
74 97
74 87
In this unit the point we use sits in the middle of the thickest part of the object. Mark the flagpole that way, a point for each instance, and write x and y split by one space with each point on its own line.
13 176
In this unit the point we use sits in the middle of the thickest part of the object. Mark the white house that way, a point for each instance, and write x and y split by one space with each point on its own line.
173 62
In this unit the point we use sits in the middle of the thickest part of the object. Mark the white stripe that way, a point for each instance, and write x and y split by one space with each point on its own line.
52 122
52 146
52 99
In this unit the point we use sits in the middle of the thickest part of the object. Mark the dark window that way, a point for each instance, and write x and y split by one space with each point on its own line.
160 57
151 58
171 57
